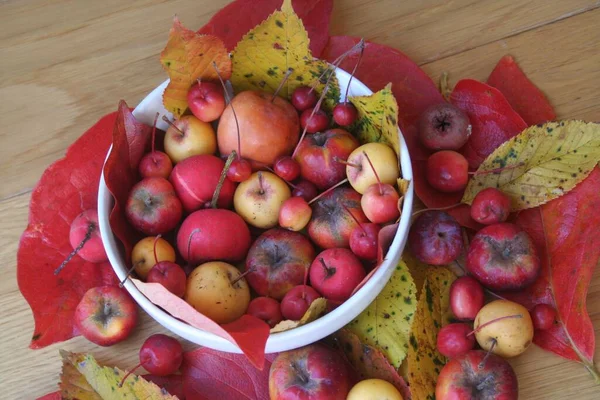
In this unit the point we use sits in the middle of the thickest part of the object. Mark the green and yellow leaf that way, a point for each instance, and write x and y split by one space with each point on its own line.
84 379
540 164
385 323
424 361
264 55
377 118
317 308
187 57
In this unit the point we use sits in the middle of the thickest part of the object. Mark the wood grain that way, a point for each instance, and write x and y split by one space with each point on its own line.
66 63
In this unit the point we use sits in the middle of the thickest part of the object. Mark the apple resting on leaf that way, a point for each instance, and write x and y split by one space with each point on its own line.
153 207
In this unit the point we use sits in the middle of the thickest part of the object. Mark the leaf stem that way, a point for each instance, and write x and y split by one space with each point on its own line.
340 183
362 50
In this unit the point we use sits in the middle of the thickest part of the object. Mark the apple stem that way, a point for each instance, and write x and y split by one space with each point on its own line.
215 198
482 363
283 81
236 280
360 55
88 236
129 373
435 209
172 125
154 248
374 172
339 160
286 181
154 135
495 294
228 99
260 183
129 273
496 170
328 270
336 63
340 183
480 327
317 106
189 243
354 218
305 283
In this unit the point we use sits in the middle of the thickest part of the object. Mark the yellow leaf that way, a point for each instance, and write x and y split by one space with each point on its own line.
540 164
104 381
377 118
316 309
187 57
264 55
385 323
403 186
424 361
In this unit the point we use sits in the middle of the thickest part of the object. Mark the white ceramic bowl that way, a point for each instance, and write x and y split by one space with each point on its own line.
277 342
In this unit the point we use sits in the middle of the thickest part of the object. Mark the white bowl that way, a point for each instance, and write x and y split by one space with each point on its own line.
298 337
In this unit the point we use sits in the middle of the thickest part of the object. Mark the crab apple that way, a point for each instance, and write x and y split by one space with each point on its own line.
314 122
543 316
155 164
490 206
287 168
435 238
187 137
259 115
443 126
206 101
150 251
318 156
161 355
170 275
258 199
239 170
195 180
267 309
447 171
477 376
331 224
454 340
345 114
278 261
503 257
105 315
218 290
153 207
305 189
213 234
335 273
364 240
84 236
296 302
294 214
466 298
380 203
374 389
304 98
361 174
314 372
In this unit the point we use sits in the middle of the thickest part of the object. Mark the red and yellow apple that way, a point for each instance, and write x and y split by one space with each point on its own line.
258 199
188 136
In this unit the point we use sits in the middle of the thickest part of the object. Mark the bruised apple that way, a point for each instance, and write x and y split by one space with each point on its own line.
269 127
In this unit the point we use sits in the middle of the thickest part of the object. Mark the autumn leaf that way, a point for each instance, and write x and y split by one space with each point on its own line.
540 164
377 118
187 57
385 323
104 381
264 55
424 361
317 308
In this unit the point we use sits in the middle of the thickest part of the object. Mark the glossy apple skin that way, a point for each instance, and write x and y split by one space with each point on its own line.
380 203
198 138
317 155
462 379
490 206
105 315
155 164
206 101
170 275
153 207
294 214
278 260
93 249
296 302
454 340
364 240
270 129
466 298
343 274
195 180
503 257
314 372
213 234
331 225
267 309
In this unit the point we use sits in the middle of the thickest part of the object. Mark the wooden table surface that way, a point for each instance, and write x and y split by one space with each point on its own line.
66 63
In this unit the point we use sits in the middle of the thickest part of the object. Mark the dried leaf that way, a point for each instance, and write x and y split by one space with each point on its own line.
317 308
264 55
424 361
105 381
385 323
541 164
173 384
403 186
73 385
377 118
187 57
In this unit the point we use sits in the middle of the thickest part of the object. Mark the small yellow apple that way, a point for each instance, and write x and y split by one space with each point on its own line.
211 291
359 171
188 136
259 198
374 389
142 255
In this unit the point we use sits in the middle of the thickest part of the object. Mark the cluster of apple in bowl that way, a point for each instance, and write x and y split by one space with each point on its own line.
269 185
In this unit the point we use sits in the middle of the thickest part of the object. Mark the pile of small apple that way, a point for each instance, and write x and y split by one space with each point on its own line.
259 205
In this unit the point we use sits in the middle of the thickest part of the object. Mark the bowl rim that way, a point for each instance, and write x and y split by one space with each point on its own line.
280 341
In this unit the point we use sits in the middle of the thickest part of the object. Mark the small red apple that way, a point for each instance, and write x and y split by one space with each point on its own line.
335 273
92 249
294 214
364 241
155 164
170 275
267 309
105 315
296 302
380 203
153 207
206 101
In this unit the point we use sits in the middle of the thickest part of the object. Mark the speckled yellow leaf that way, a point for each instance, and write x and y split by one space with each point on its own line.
187 57
104 381
377 118
73 384
316 309
541 163
385 323
263 56
424 361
